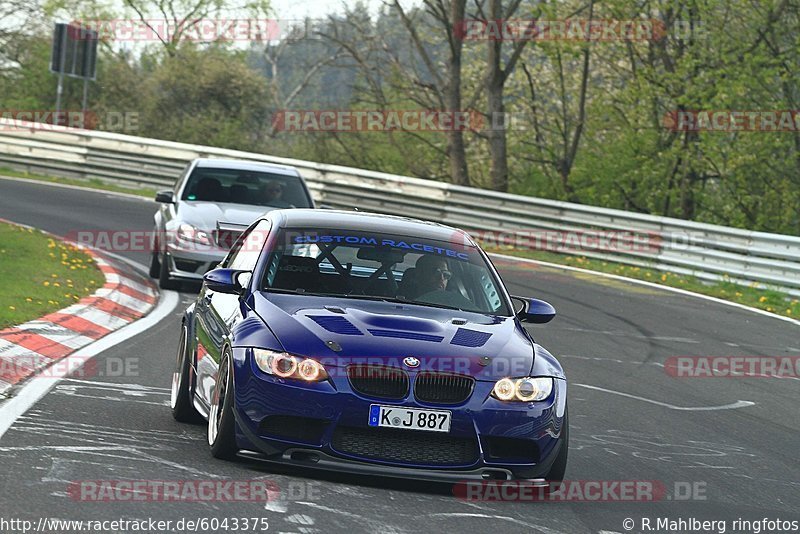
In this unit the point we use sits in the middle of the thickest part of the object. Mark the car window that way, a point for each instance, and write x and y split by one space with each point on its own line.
383 266
245 252
182 178
245 187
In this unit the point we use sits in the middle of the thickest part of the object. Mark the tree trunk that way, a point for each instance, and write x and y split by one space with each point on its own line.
495 82
456 150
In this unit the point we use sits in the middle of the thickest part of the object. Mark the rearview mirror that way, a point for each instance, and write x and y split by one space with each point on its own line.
225 281
533 310
165 197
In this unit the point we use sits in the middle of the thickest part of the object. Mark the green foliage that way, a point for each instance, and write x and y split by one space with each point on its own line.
738 56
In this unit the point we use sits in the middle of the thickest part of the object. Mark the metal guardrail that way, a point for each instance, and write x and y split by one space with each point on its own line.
709 252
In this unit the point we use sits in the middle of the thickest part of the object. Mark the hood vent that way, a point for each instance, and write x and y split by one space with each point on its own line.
337 325
470 338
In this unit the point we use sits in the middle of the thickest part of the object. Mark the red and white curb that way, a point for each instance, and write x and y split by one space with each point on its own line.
33 347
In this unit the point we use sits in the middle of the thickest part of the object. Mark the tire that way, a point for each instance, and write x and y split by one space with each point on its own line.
155 265
221 423
181 393
556 474
164 281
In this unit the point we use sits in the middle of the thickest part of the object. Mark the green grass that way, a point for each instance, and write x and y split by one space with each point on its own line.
94 183
765 299
40 275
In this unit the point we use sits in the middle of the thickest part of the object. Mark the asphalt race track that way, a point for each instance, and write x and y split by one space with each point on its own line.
630 420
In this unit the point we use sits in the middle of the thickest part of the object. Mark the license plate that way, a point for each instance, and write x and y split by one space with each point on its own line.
409 418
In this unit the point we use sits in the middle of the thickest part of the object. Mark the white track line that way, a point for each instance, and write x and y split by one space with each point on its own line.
732 406
78 188
37 387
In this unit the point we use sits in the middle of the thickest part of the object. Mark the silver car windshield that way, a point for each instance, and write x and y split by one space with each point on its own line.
383 267
207 184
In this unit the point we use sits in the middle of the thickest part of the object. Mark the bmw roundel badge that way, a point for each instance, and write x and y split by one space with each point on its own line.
411 361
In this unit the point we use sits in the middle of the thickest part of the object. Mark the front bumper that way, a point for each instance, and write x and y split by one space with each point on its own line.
496 440
188 264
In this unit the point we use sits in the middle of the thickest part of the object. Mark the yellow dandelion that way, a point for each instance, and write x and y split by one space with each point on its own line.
762 299
45 283
56 284
12 308
663 277
53 276
28 299
788 311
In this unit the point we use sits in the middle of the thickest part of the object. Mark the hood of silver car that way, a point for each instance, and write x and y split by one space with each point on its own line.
204 215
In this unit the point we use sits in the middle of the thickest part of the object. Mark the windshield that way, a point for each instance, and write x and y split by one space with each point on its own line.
383 266
246 187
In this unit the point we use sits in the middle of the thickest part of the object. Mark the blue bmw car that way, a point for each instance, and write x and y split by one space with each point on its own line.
371 344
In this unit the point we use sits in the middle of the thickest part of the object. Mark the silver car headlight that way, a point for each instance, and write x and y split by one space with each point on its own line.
526 389
187 232
286 365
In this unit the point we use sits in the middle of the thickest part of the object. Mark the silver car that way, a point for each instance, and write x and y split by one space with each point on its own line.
211 202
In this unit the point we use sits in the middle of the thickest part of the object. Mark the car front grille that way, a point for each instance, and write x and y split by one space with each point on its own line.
443 388
226 238
405 446
378 381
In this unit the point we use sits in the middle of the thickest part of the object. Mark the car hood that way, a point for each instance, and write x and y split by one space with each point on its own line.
204 215
340 332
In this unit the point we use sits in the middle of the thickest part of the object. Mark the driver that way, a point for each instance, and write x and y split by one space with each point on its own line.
272 193
432 273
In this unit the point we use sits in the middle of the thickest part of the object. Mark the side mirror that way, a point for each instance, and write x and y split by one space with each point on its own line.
166 197
533 310
225 281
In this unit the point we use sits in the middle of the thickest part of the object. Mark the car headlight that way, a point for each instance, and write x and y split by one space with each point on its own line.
288 366
525 389
187 232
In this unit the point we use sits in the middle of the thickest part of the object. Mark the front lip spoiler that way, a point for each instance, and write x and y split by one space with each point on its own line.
316 459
